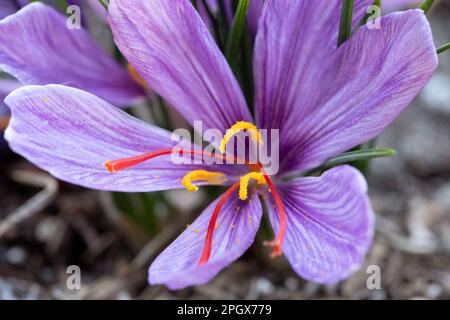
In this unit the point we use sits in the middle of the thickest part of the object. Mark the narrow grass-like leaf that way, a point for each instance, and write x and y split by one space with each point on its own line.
236 31
104 3
359 155
443 48
345 29
426 5
356 156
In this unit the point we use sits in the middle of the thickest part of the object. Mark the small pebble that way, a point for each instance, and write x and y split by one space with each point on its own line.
15 255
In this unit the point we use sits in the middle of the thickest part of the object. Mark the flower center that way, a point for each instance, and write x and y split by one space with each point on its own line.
257 173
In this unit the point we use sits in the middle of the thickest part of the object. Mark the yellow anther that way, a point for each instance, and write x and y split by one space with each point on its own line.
243 187
202 175
238 127
136 77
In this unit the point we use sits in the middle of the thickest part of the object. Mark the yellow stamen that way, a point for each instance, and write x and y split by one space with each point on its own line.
136 77
202 175
243 188
238 127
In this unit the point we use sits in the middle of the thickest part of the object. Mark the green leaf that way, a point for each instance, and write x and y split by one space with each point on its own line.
345 29
359 155
104 3
236 32
443 48
141 208
426 5
356 156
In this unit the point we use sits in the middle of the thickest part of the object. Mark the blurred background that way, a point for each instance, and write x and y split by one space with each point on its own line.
47 226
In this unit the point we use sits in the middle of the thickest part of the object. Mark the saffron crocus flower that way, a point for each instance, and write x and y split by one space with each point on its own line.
323 99
37 47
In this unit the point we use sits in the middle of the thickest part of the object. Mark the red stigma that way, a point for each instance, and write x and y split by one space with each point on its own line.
277 243
126 163
122 164
206 254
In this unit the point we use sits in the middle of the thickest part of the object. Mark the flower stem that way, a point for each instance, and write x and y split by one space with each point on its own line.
345 29
443 48
426 5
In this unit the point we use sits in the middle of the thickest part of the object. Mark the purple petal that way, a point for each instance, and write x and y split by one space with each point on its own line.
71 133
36 47
6 87
177 267
254 13
393 5
369 81
294 40
330 224
99 10
203 7
3 112
7 7
172 49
